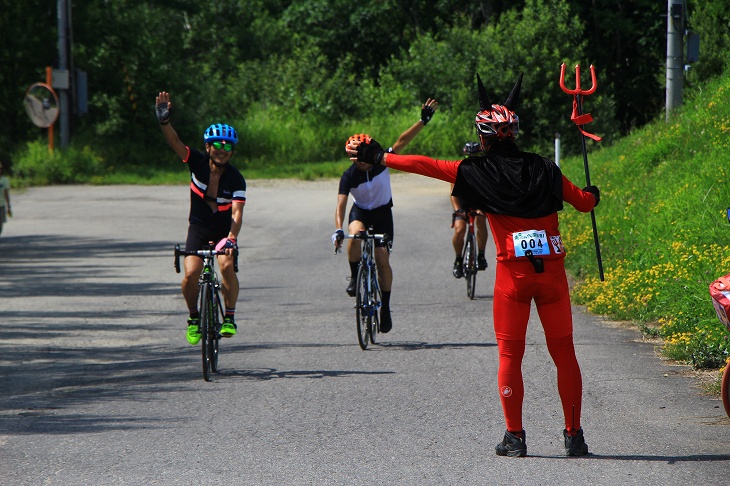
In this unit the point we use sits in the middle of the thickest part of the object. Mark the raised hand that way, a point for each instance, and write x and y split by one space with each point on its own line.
428 109
370 153
163 108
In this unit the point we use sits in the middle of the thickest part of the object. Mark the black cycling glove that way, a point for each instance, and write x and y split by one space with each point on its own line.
338 236
370 153
426 114
163 113
594 190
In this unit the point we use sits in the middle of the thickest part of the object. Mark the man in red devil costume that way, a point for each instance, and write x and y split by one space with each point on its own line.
521 193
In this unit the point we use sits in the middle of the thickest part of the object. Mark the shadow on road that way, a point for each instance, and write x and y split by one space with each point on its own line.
667 459
53 359
641 458
272 373
54 266
417 346
44 382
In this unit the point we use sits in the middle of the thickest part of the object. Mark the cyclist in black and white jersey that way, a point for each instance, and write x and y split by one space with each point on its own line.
217 197
372 203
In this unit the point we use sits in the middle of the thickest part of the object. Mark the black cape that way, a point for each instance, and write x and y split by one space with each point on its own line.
510 182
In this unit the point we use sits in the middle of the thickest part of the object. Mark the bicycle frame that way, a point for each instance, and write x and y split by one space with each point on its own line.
469 255
470 223
367 262
210 278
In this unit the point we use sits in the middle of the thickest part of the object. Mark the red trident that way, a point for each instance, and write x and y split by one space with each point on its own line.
580 119
577 116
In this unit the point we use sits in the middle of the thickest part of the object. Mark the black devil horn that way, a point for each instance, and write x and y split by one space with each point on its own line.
514 97
484 102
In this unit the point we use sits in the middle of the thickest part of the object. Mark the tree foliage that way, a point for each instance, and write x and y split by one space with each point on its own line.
25 54
332 62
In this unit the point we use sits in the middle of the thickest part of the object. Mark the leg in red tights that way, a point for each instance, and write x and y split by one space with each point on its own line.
557 322
510 325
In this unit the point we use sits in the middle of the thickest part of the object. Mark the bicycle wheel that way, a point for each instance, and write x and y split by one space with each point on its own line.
362 310
375 305
470 265
725 389
206 313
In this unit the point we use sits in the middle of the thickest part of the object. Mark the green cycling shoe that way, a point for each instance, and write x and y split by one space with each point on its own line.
228 328
193 333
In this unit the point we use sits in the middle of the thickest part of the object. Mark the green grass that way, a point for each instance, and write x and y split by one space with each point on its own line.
662 227
37 167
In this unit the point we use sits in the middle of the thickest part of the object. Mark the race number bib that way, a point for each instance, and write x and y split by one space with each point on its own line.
557 243
534 240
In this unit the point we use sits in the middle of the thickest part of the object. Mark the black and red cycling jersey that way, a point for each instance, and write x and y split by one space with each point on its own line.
231 188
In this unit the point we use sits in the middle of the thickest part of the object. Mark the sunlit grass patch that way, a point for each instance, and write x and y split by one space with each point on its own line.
663 230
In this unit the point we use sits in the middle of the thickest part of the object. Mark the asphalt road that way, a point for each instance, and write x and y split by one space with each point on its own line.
98 385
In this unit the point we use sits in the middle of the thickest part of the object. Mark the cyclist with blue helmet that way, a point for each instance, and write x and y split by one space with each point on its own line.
217 197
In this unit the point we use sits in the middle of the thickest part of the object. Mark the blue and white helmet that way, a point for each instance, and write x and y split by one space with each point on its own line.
220 132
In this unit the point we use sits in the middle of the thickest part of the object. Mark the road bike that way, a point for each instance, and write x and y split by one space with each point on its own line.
469 256
367 294
210 304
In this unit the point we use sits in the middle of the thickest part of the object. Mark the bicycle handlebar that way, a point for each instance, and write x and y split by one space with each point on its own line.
204 254
363 236
367 236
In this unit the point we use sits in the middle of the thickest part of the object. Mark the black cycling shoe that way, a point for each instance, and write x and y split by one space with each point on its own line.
458 270
386 323
575 445
481 263
352 287
512 446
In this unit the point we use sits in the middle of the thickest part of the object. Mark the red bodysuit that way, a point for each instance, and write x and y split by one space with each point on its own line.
533 181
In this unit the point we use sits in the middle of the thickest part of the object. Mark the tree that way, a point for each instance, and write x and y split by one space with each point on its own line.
711 20
626 41
25 54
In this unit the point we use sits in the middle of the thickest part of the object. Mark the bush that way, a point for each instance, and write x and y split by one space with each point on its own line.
37 166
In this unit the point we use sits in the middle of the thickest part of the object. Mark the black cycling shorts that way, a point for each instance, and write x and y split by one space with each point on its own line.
461 214
200 236
381 219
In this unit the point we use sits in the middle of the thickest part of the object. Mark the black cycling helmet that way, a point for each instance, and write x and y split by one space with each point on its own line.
472 148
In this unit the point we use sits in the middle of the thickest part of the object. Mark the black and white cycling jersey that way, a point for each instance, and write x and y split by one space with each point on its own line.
370 189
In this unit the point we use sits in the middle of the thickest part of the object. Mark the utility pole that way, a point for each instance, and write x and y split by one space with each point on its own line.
63 71
675 61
